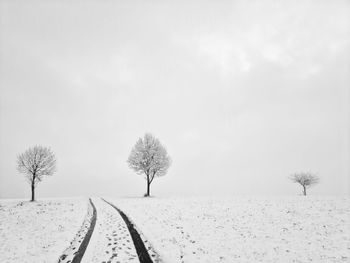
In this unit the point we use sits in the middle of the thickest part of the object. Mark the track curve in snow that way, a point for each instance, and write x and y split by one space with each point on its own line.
141 250
75 252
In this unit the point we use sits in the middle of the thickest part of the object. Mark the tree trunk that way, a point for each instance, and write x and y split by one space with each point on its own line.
148 184
33 192
148 188
304 189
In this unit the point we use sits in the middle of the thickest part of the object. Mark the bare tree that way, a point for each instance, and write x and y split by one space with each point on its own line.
35 163
305 180
149 157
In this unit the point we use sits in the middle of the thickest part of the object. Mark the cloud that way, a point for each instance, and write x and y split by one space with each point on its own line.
224 53
297 37
240 90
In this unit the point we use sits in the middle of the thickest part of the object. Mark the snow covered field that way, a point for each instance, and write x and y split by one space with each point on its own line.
235 229
111 240
38 231
243 229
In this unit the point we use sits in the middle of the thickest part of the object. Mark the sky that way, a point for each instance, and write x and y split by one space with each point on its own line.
241 93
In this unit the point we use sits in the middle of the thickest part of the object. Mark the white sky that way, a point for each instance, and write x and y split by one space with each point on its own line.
242 94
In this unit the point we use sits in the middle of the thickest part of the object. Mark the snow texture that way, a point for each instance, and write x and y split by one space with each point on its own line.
110 241
242 229
154 256
38 231
235 229
69 254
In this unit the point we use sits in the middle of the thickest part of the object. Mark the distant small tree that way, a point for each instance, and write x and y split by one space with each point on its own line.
306 180
35 163
149 157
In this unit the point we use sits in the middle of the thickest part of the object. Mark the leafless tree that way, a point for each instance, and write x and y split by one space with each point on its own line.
305 180
149 157
35 163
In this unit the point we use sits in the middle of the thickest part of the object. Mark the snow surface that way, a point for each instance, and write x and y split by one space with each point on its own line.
243 229
38 231
69 254
235 229
110 241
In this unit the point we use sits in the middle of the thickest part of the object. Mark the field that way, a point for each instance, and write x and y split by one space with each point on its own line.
233 229
38 231
286 229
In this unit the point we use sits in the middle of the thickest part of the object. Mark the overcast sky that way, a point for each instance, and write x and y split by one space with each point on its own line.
241 93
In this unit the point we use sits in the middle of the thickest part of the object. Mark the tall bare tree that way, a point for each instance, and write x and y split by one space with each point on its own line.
35 163
149 157
306 180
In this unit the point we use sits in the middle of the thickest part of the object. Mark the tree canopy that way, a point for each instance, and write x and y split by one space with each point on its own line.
35 163
149 157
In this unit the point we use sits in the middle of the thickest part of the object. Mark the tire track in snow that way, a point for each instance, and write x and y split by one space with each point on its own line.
73 255
87 237
111 241
141 250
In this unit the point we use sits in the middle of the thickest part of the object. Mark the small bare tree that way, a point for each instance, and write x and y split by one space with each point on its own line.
149 157
305 180
35 163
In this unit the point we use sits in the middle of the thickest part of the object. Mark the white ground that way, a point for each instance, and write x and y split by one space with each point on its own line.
110 241
38 231
241 229
286 229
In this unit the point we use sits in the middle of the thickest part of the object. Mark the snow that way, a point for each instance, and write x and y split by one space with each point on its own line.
75 245
38 231
110 241
211 229
244 229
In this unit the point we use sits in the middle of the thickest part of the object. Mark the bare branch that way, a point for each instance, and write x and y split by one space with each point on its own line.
306 180
35 163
